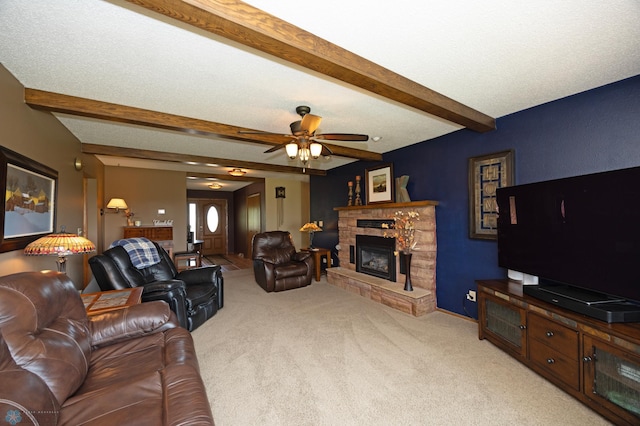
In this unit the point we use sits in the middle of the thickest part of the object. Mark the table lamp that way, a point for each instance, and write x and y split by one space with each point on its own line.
62 245
311 228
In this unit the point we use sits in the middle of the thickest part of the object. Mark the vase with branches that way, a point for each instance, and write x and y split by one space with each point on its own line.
403 229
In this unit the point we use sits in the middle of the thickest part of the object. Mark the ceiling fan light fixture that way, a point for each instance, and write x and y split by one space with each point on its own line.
304 155
316 149
292 150
237 172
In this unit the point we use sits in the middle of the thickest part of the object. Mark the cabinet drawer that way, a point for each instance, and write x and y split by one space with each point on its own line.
153 233
554 364
161 234
135 233
558 337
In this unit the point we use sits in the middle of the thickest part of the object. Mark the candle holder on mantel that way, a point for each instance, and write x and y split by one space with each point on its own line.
358 199
350 201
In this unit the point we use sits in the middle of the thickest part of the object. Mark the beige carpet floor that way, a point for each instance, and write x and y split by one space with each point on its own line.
322 356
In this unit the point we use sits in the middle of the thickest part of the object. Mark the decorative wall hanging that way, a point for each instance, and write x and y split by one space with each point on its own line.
380 184
30 200
280 196
487 173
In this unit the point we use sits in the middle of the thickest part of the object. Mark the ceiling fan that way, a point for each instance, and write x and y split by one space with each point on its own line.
305 143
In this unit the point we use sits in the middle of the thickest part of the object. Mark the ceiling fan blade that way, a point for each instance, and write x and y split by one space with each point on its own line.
326 151
275 148
348 137
257 132
296 128
310 123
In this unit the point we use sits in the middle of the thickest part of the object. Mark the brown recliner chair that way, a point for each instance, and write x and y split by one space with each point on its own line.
195 295
276 264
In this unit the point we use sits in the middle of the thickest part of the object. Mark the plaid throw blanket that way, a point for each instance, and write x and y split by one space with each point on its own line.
141 251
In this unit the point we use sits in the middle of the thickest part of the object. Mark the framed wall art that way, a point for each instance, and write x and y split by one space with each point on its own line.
487 173
379 184
30 200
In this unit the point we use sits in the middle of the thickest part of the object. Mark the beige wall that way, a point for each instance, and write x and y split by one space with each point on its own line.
293 212
41 137
146 191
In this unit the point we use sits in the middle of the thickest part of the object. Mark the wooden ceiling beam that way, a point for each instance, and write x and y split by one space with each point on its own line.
116 151
56 102
252 27
226 177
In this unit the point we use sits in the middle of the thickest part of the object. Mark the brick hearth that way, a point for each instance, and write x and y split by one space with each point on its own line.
423 265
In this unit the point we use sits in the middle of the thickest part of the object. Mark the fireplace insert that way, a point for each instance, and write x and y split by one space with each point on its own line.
374 256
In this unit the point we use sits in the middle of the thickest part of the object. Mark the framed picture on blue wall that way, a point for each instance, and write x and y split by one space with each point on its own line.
379 184
487 173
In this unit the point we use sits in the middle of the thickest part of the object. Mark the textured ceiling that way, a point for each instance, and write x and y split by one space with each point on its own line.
498 57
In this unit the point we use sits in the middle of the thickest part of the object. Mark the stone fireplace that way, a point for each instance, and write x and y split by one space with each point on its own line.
363 246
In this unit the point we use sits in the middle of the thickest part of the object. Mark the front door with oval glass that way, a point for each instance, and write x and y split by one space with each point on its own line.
211 225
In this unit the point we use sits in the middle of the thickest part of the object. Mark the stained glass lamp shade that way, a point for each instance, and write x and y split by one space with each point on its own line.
61 245
311 228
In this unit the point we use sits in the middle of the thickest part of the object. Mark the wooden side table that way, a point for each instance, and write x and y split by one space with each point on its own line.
187 260
106 301
317 259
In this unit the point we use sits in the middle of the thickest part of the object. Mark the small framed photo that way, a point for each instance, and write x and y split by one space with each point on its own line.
30 200
487 173
380 184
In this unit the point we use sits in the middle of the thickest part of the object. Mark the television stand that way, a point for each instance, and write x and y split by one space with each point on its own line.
595 305
595 362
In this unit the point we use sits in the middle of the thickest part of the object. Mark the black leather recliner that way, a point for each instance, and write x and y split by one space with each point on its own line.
276 264
195 295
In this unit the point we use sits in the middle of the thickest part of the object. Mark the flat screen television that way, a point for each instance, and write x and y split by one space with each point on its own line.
581 237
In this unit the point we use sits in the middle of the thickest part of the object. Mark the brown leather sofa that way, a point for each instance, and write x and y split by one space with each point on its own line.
131 366
276 264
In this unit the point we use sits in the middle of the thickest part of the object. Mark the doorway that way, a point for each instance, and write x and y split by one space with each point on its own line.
208 220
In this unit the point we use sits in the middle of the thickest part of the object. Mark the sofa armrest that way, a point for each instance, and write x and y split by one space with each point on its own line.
269 260
131 322
205 274
162 286
301 256
171 291
24 396
200 275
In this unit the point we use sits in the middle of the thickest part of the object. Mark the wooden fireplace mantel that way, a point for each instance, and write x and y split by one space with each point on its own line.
389 205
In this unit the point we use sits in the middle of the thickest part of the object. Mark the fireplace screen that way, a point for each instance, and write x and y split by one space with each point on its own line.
374 256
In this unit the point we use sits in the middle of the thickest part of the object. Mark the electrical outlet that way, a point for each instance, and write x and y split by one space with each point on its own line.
471 295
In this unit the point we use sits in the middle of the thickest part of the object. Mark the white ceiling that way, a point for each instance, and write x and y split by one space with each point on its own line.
495 56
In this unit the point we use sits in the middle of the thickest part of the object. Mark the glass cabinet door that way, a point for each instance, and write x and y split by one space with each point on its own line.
612 377
506 322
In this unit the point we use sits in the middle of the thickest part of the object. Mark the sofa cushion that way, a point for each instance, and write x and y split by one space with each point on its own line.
45 327
134 381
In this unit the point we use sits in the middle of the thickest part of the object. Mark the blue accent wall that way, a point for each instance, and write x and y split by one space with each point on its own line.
589 132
